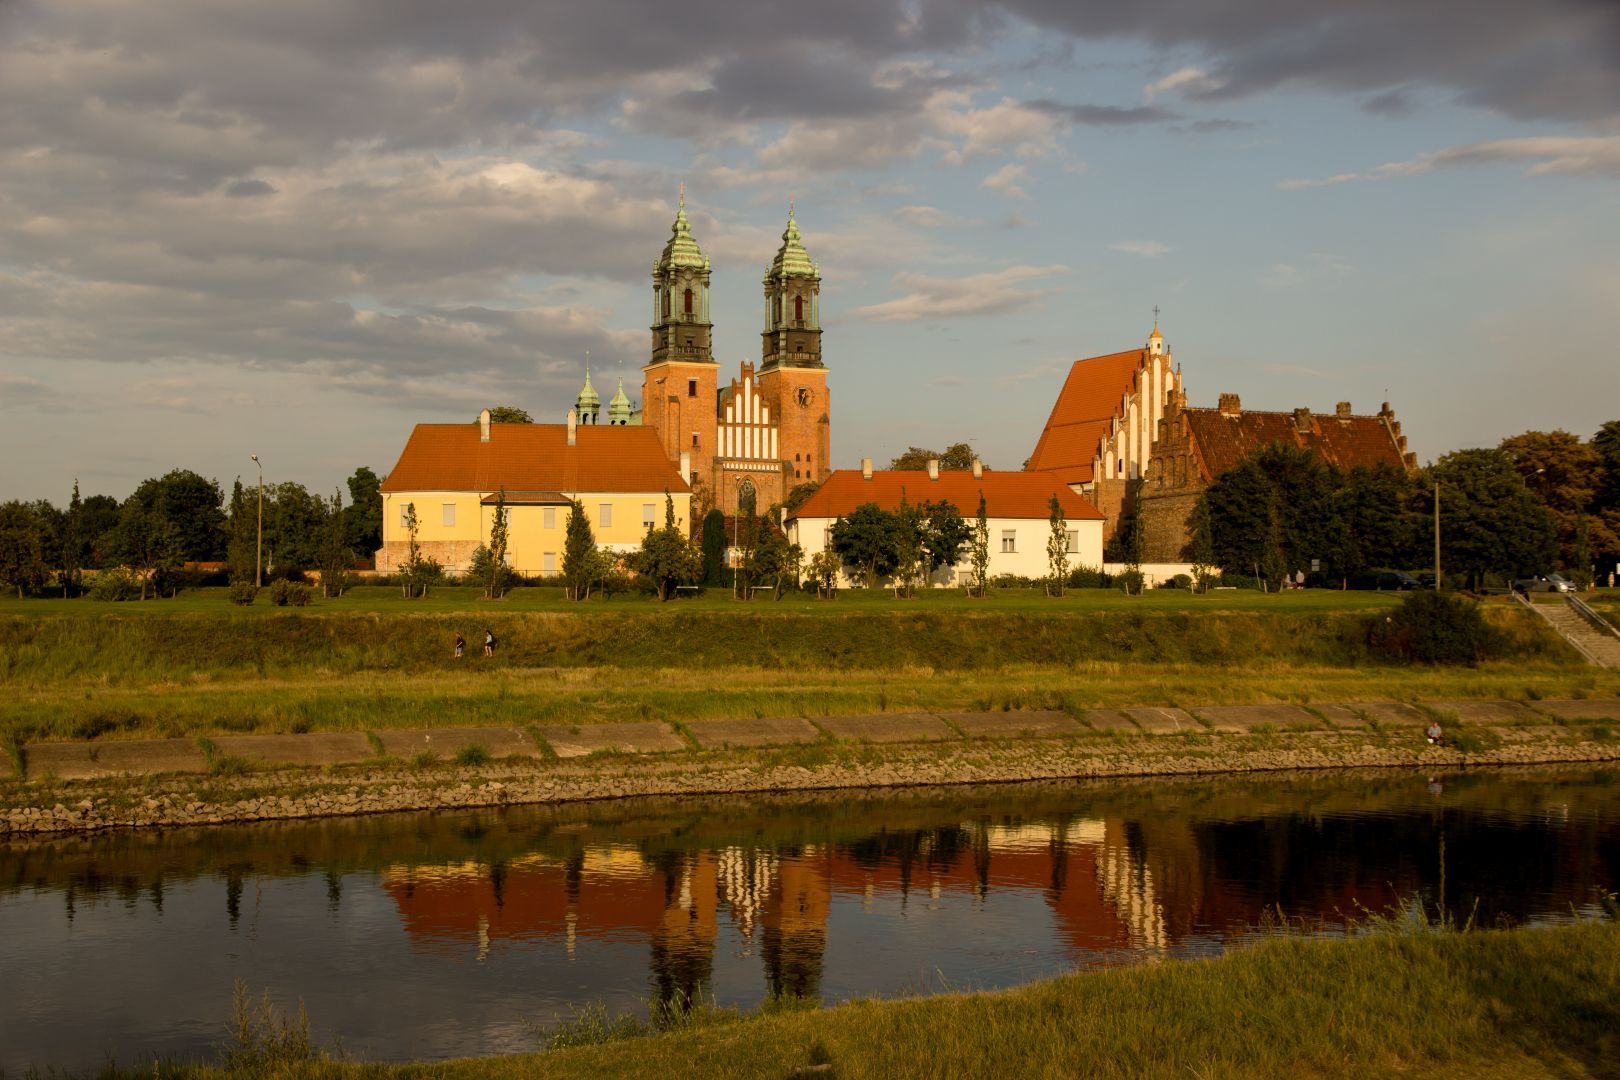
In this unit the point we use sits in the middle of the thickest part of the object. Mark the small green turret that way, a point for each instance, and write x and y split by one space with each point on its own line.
619 407
588 404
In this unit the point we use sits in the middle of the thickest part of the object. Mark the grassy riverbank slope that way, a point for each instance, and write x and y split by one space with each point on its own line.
198 666
1523 1004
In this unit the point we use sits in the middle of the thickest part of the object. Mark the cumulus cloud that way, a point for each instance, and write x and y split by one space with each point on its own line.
1007 180
996 293
1188 80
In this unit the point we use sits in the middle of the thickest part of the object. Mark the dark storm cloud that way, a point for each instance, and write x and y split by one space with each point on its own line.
1547 60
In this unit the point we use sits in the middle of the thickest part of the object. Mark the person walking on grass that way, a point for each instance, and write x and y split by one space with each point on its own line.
489 642
461 644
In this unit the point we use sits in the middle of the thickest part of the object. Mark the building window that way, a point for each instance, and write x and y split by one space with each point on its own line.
797 457
405 515
1119 467
1074 541
798 309
548 562
795 474
449 515
694 438
688 341
1009 541
548 517
691 387
687 300
604 516
647 517
666 303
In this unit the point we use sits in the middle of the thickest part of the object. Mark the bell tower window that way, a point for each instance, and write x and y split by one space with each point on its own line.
687 301
666 303
798 309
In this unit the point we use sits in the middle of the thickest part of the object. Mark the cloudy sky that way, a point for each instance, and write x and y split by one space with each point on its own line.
296 228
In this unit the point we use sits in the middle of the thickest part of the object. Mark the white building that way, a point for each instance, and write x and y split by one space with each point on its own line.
1017 509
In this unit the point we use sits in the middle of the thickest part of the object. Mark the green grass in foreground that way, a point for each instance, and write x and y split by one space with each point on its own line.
1401 1001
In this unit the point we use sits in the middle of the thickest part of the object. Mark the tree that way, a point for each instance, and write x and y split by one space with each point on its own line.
799 494
945 534
149 543
957 456
497 575
702 500
580 567
1605 526
1489 521
910 554
293 520
1378 508
1564 473
509 414
1243 519
22 561
745 538
363 518
667 557
981 550
776 558
1200 549
333 557
75 545
867 538
824 568
241 549
192 508
1057 549
413 563
714 549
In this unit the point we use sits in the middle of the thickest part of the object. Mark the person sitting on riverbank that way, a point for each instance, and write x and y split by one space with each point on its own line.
1432 733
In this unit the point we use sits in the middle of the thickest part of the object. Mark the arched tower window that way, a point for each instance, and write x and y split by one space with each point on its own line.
688 301
745 496
798 309
666 303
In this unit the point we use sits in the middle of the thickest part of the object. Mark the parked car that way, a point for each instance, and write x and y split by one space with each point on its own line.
1550 583
1384 581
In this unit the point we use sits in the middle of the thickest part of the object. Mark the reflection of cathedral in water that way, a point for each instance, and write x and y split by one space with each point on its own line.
1092 875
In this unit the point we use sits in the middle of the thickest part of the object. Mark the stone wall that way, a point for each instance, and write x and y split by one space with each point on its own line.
1163 514
453 555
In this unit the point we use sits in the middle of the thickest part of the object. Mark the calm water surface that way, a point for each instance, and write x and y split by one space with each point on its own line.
439 935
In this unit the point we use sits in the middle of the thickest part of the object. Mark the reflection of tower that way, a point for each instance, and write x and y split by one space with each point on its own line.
683 939
1127 884
745 879
795 924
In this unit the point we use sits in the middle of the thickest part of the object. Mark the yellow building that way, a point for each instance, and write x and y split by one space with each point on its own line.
452 475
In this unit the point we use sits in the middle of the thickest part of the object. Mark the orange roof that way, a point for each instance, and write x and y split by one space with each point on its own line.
1224 440
533 458
1085 408
1006 494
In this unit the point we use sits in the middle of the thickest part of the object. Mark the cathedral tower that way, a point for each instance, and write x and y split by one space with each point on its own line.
679 383
792 378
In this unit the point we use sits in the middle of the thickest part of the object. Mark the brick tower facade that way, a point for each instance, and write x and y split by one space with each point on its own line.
792 377
679 384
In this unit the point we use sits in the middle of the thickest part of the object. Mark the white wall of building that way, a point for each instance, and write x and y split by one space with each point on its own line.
1027 559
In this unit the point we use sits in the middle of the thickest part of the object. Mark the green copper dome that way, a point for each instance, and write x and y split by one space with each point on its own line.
619 407
791 259
587 394
682 250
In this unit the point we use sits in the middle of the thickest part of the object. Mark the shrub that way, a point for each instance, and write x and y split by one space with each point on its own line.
284 592
1089 577
1130 581
1435 628
473 754
299 595
115 585
1180 581
243 593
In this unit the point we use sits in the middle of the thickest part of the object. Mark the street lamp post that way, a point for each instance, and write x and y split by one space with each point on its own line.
1437 536
258 551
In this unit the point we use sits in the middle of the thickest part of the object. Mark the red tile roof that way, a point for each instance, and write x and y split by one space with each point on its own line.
533 458
1081 416
1224 440
1006 494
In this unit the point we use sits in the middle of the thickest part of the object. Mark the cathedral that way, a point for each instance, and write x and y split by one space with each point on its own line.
769 427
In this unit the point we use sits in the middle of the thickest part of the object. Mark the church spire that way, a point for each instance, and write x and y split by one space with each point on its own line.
619 407
680 280
792 334
588 404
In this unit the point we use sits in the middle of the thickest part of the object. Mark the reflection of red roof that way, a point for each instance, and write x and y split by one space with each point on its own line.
533 902
1006 494
1085 407
1225 439
534 458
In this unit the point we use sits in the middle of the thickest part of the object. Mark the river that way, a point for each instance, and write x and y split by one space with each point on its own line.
425 936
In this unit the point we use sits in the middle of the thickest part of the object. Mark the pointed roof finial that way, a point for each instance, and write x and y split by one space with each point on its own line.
1155 333
682 201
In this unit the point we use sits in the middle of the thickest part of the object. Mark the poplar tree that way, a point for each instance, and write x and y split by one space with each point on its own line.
74 543
334 555
1057 550
496 573
413 551
981 550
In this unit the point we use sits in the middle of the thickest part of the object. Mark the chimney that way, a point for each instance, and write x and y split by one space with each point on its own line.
933 468
866 468
573 422
978 469
686 465
483 426
1230 405
1302 420
1342 410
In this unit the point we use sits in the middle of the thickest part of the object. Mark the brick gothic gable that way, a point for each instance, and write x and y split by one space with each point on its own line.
1195 446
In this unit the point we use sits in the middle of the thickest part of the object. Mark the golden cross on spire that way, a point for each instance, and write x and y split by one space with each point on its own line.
1155 316
683 192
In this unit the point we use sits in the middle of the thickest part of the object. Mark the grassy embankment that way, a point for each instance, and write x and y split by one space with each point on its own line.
198 665
1404 1001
